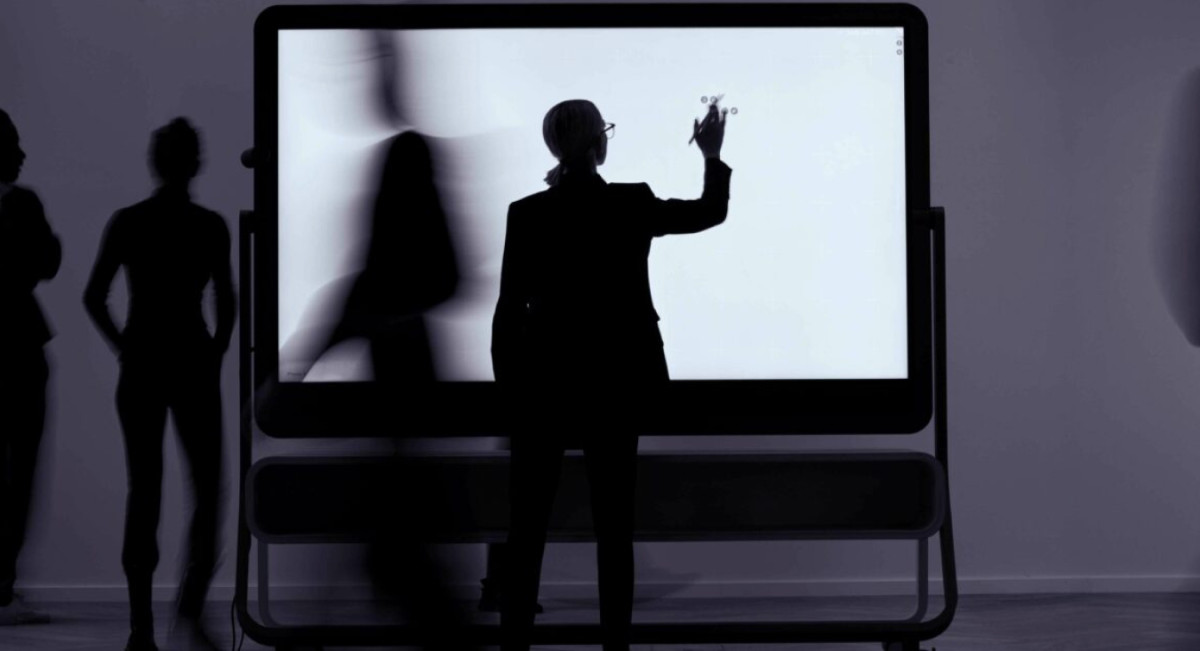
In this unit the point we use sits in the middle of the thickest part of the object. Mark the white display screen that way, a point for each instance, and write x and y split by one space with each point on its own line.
805 280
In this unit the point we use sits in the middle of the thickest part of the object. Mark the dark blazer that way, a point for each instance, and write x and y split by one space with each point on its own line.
574 286
29 254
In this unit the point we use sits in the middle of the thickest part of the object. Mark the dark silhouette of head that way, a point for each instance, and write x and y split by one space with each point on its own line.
574 132
11 156
175 153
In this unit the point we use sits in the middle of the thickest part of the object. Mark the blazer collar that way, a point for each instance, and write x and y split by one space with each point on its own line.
582 181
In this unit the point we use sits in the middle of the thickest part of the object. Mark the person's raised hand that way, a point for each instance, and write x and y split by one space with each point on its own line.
709 134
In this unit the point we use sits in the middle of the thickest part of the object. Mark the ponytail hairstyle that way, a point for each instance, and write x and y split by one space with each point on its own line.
10 150
571 130
8 131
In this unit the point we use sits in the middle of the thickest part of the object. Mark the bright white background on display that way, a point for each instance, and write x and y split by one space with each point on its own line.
806 279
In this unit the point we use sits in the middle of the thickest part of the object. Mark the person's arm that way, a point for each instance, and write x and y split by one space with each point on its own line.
676 216
225 296
34 252
509 321
95 296
45 249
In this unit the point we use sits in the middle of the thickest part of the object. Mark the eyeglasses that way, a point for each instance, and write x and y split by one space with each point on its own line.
610 130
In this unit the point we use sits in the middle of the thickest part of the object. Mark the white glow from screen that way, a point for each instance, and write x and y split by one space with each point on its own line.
806 279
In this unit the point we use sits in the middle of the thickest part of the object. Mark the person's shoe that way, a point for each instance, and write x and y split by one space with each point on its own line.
188 635
19 612
141 640
489 601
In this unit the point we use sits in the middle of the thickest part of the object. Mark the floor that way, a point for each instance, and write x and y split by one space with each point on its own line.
1142 622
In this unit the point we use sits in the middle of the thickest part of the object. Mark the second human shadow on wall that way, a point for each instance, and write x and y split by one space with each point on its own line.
1175 236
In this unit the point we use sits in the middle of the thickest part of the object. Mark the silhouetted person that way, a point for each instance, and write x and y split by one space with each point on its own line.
410 267
410 264
170 249
575 340
29 254
494 574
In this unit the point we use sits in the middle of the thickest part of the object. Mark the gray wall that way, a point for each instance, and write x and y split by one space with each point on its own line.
1074 422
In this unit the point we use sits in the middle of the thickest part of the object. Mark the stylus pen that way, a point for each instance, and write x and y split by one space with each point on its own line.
693 138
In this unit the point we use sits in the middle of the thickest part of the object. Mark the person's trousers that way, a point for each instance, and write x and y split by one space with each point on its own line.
191 392
535 468
23 403
401 556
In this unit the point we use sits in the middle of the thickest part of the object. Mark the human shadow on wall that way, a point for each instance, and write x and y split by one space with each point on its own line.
1175 241
1176 226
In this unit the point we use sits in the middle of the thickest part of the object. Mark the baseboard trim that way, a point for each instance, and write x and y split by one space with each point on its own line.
696 590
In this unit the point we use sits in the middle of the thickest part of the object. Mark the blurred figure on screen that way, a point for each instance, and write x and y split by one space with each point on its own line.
410 267
29 254
575 341
171 249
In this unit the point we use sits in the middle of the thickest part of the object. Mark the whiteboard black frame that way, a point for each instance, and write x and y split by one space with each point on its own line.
323 409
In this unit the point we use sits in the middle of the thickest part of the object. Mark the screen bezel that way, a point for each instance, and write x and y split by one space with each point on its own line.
323 409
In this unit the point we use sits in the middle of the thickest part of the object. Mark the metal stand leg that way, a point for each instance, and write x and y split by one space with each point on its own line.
264 606
922 581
